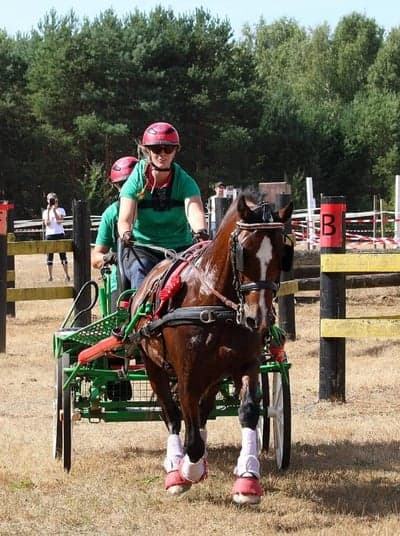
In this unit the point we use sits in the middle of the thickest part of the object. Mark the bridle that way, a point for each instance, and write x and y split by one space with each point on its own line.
238 264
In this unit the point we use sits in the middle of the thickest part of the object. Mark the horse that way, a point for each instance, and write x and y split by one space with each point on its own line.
211 326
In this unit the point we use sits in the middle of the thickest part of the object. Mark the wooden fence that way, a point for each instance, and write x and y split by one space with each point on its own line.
335 326
337 271
79 246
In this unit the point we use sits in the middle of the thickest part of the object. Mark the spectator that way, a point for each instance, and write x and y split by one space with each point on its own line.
53 217
219 188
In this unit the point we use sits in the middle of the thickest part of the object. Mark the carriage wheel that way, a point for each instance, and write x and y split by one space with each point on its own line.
57 409
67 402
264 422
281 412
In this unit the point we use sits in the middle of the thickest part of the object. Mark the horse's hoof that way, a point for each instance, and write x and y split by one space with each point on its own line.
175 484
247 490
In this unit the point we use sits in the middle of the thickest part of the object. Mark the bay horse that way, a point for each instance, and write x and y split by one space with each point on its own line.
213 326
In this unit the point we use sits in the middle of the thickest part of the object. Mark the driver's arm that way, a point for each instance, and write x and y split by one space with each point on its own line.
127 215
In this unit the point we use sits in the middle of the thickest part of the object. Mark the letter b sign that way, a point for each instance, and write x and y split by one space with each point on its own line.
332 223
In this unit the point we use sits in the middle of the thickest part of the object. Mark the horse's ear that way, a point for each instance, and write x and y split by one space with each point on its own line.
243 208
285 213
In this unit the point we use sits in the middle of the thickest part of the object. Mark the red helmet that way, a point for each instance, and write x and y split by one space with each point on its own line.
122 168
160 134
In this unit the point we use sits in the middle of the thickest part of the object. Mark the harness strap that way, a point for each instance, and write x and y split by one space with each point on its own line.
155 204
161 198
197 315
260 285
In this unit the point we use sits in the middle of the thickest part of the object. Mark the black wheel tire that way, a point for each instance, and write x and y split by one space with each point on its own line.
57 410
264 422
265 404
67 417
282 421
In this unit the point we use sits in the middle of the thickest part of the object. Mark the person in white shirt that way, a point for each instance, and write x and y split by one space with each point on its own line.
53 217
219 189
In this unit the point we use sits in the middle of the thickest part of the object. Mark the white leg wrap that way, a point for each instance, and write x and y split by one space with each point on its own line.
174 453
247 463
192 471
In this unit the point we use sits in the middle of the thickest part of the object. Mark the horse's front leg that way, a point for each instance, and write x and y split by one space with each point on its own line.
247 489
160 383
193 467
207 404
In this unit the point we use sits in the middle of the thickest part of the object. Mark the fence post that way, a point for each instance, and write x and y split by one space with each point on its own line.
3 276
81 240
286 309
11 259
397 211
332 300
5 207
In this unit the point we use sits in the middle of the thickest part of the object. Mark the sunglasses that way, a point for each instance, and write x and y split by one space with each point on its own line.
157 149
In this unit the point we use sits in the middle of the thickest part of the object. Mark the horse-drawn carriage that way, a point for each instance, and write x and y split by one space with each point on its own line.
197 341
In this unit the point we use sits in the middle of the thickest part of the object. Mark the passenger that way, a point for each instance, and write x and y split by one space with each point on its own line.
160 205
105 249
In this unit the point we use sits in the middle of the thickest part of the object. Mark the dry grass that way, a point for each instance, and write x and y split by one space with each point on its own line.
343 479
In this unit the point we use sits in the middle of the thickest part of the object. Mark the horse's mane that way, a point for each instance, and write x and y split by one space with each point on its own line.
253 198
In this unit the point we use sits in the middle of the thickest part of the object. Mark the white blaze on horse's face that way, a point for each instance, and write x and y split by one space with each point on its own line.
258 311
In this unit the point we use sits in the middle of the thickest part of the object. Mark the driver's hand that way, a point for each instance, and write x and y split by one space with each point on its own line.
201 235
127 239
110 258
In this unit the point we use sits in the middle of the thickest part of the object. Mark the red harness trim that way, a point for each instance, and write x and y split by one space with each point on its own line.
174 281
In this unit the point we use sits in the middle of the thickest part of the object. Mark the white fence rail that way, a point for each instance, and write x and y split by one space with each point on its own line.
361 228
378 229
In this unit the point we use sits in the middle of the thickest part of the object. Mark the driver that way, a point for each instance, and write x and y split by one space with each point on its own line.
160 202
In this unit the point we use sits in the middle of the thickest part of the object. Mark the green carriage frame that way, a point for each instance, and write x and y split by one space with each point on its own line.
81 390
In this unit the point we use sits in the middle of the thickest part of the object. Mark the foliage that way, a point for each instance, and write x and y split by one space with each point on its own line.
280 103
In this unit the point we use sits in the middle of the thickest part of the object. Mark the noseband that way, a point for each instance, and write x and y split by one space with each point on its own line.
237 260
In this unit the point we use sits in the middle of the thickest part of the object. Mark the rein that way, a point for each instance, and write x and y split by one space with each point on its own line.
237 261
226 301
236 252
191 262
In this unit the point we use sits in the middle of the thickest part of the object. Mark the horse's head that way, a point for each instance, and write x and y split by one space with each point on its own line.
258 256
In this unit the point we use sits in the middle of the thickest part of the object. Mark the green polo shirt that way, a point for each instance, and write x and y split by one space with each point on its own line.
164 228
106 236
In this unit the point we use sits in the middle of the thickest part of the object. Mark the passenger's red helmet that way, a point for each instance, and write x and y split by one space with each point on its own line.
160 134
122 168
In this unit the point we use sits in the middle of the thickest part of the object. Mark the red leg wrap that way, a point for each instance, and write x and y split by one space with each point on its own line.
247 486
175 479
